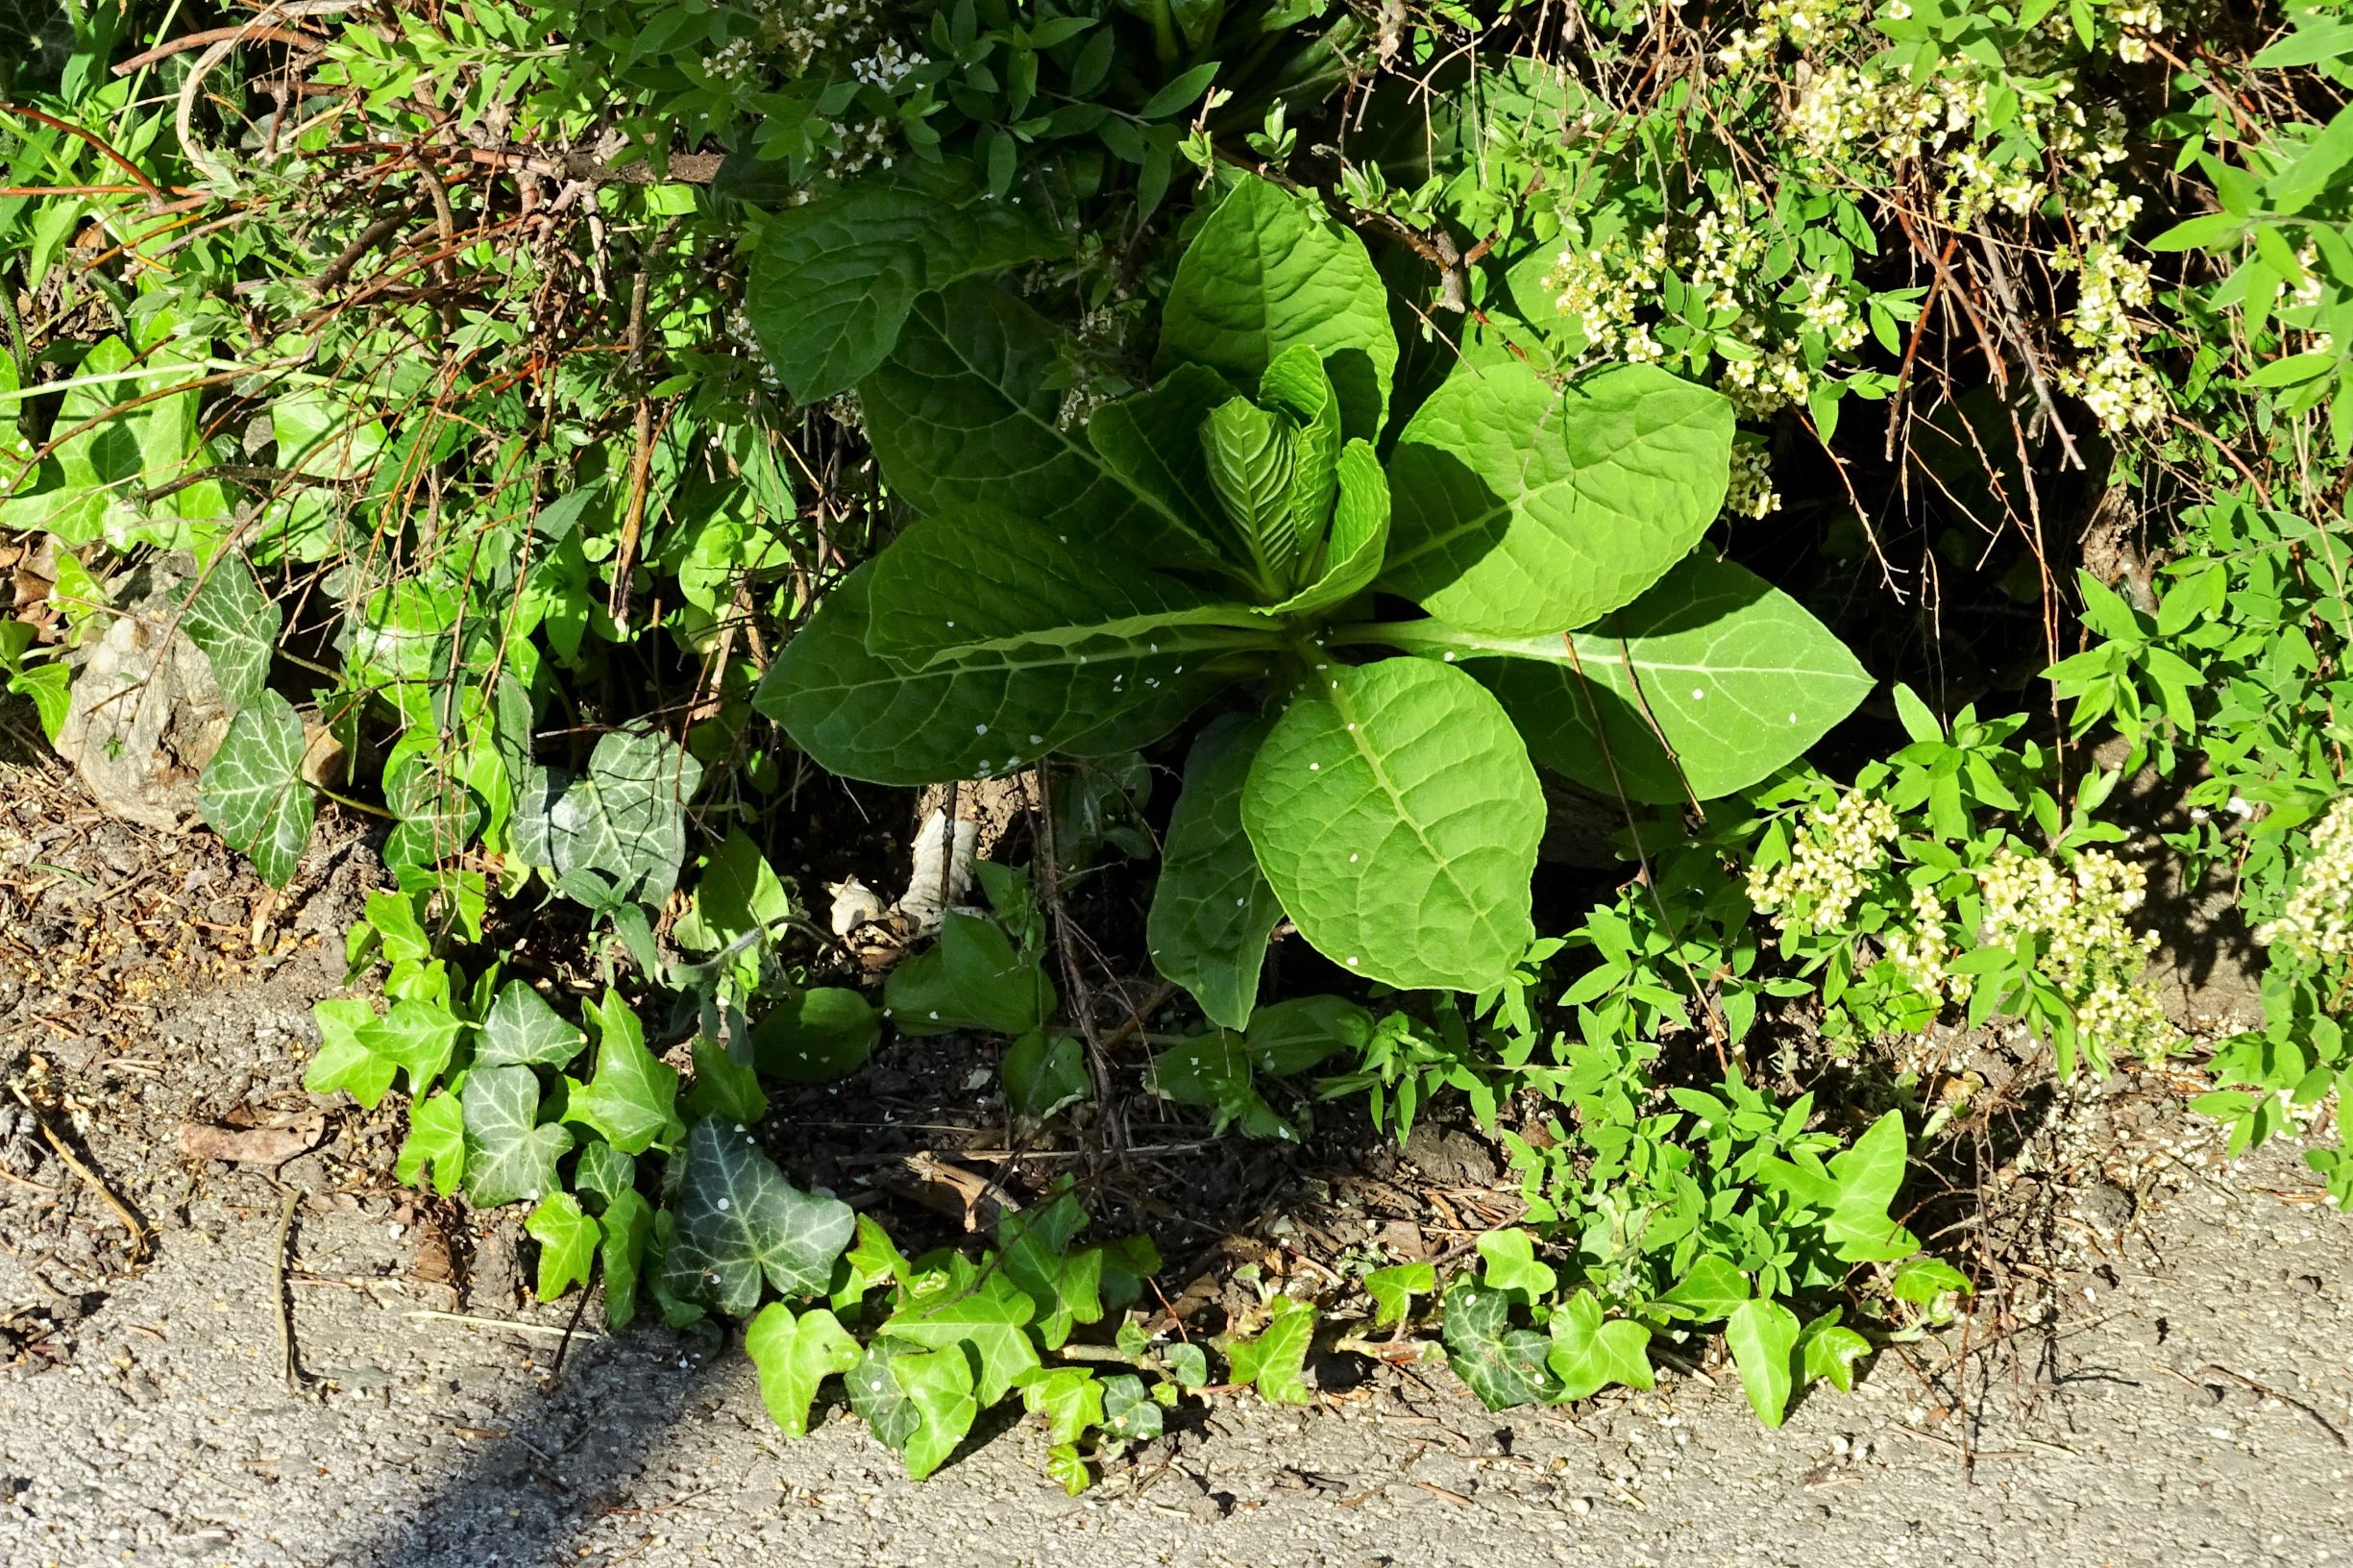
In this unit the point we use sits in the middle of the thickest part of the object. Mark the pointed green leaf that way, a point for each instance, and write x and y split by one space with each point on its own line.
1063 1282
1395 1287
601 1174
992 1317
1512 1266
966 412
1526 511
737 894
1714 1289
1294 1035
1129 1414
1733 672
1269 270
739 1221
939 1385
1396 816
510 1158
1504 1366
1071 1398
1830 1349
633 1102
627 1223
1296 384
522 1030
1152 442
1275 1361
344 1062
419 1037
1869 1174
972 979
721 1090
867 718
236 625
1212 912
436 1141
1588 1354
567 1240
1253 460
794 1356
1043 1073
1761 1335
252 793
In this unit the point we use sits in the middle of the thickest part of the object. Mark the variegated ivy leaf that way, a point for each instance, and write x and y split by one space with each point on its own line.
522 1030
1275 1360
740 1223
567 1239
880 1402
615 833
632 1101
236 625
1504 1366
253 793
511 1156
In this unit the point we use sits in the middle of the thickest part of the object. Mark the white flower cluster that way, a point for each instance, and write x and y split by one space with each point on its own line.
1750 492
2084 945
2120 391
1803 23
1825 874
888 65
1919 953
793 34
2318 919
2140 21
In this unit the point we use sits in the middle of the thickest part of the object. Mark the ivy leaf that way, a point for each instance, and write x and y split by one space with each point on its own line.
510 1157
633 1100
971 979
601 1174
567 1239
1504 1366
1071 1398
627 1223
875 1394
967 412
520 1030
1761 1335
1065 1466
1212 912
1188 1363
1275 1361
1269 270
738 1221
1526 511
722 1090
869 718
1396 816
1065 1285
252 793
939 1384
344 1062
1830 1349
1868 1175
1130 1414
419 1037
436 1141
1714 1289
1512 1266
1733 672
1588 1354
991 1317
1395 1287
236 625
795 1355
616 832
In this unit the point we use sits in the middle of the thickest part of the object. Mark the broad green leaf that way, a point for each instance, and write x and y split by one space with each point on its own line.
1396 816
875 1260
436 1141
836 275
236 625
991 1317
510 1157
1922 1279
738 894
721 1090
1291 1036
971 979
1512 1266
344 1063
1868 1175
1524 510
1071 1398
815 1036
616 832
738 1221
1588 1354
1358 538
522 1030
939 1385
794 1355
1504 1366
1395 1287
875 1394
867 718
627 1222
252 793
966 412
1152 442
419 1037
1735 674
1714 1289
1267 271
1830 1349
633 1102
1212 912
1275 1361
567 1240
1253 459
1761 1335
1042 1072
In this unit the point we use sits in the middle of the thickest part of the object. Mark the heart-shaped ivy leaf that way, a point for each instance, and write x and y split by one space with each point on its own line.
1504 1366
252 793
236 625
633 1102
1275 1360
509 1156
740 1222
616 832
1588 1354
522 1030
794 1355
567 1239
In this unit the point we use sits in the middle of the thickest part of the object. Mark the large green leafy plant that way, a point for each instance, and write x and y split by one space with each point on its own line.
1086 592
